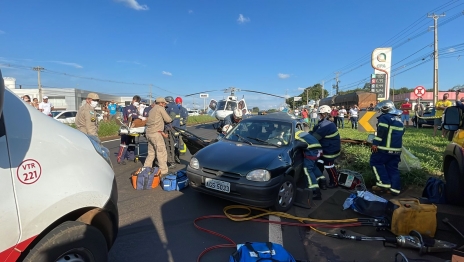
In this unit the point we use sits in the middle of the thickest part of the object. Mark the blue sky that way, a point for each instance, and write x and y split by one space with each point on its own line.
189 46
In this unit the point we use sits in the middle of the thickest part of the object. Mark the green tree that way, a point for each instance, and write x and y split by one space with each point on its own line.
309 93
255 109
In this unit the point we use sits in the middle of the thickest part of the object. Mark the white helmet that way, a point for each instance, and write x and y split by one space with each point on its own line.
386 107
324 109
237 113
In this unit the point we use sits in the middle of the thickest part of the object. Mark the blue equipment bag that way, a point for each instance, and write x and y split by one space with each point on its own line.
434 191
264 252
175 182
182 180
145 178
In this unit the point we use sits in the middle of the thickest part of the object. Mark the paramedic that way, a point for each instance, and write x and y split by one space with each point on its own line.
154 132
183 113
386 149
329 138
86 118
130 113
231 120
311 155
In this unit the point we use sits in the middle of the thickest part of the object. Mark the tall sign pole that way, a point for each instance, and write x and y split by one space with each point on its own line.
38 69
381 62
435 56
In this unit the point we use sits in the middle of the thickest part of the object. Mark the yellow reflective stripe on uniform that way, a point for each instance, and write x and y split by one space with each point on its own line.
383 124
332 135
311 185
389 148
376 174
378 138
395 191
177 116
389 137
383 185
314 145
397 128
331 156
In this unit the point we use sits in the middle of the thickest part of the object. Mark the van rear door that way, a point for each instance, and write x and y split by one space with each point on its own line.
9 225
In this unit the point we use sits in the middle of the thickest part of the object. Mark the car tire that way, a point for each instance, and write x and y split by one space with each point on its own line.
454 187
286 195
70 241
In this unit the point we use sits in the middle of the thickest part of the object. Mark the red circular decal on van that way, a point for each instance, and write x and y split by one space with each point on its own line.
29 171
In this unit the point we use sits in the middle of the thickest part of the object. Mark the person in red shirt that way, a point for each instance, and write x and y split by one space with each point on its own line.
406 106
334 114
304 115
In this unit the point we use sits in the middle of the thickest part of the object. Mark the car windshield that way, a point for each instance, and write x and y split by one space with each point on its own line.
55 113
261 132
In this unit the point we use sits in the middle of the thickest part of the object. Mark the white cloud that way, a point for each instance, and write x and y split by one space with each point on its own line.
190 11
167 73
283 76
67 64
134 5
301 88
451 50
2 32
242 20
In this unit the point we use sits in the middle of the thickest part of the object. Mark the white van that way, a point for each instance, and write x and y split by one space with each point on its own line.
57 188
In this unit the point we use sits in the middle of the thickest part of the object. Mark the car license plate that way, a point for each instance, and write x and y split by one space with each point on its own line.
217 185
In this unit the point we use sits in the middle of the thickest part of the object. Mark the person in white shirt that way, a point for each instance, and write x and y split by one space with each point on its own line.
341 117
46 107
354 116
313 118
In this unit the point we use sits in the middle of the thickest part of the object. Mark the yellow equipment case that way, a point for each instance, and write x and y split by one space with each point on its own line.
409 214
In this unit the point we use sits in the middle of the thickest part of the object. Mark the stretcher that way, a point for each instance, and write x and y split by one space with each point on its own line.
135 133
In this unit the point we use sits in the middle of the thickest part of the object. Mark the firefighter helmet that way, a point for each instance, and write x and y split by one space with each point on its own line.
169 99
178 100
386 107
324 109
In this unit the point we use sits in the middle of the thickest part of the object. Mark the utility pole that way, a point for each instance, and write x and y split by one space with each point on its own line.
322 90
150 93
38 69
435 56
337 81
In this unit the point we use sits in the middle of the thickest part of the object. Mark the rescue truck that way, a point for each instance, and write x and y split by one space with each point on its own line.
57 188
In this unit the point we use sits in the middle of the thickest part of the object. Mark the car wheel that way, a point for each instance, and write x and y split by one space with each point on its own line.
454 188
70 241
286 195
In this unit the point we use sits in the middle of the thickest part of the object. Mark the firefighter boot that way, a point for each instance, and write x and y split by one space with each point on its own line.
303 198
322 184
317 195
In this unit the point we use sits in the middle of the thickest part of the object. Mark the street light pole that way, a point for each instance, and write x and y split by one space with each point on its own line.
38 69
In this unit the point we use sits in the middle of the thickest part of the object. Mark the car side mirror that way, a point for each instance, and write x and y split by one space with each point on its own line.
453 118
2 92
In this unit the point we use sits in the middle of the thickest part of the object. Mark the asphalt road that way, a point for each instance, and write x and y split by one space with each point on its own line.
158 226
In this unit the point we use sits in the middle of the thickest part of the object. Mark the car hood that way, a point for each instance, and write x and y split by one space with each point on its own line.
238 158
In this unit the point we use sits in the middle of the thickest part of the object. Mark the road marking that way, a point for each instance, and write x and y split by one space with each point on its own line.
275 231
111 140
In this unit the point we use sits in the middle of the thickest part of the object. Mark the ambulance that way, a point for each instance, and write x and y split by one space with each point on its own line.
57 188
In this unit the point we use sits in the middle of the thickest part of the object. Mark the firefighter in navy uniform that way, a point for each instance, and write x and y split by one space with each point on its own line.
173 137
329 138
183 124
311 154
386 149
231 120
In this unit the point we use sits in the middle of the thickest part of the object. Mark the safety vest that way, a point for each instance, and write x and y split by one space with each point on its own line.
390 130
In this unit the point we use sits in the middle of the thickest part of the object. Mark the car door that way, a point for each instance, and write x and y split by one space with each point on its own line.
9 225
297 153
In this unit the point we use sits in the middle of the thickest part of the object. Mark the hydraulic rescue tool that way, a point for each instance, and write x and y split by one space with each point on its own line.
414 240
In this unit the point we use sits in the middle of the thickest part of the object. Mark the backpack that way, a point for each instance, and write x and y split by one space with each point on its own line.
261 251
145 178
175 182
434 191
